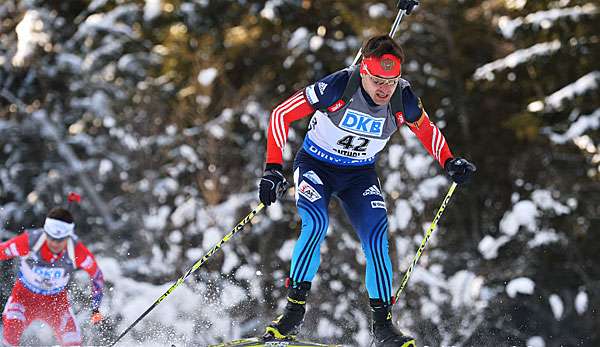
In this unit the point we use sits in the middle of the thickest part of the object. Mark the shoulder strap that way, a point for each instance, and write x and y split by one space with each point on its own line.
71 250
351 88
38 244
396 102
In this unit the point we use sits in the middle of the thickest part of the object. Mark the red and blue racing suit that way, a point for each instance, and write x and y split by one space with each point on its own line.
337 159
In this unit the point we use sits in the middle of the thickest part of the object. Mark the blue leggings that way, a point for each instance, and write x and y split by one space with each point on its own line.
360 194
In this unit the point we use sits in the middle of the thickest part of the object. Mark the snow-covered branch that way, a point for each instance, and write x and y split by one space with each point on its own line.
516 58
66 152
544 19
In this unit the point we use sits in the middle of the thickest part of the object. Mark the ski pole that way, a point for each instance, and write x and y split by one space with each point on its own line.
404 7
198 264
424 242
201 262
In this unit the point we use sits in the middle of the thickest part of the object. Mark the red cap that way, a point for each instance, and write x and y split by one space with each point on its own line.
386 66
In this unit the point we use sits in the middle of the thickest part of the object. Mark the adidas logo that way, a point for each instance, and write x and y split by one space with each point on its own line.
372 190
322 86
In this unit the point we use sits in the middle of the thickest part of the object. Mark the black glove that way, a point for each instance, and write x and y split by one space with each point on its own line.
459 169
271 184
407 5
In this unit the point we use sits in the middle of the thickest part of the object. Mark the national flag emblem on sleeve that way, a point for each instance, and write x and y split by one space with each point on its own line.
399 118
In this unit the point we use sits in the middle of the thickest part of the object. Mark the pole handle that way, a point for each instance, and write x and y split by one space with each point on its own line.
407 5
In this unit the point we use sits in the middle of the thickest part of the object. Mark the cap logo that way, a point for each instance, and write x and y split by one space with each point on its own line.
387 64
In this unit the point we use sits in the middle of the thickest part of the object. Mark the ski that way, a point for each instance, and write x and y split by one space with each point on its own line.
259 342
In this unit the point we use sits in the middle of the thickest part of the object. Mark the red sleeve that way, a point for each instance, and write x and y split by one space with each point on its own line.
432 139
292 109
16 247
84 259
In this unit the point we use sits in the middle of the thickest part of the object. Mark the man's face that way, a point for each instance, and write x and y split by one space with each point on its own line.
56 246
379 89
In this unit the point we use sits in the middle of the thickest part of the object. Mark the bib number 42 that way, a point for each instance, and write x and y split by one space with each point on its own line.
349 143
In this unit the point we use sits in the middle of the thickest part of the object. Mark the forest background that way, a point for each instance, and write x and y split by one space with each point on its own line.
156 113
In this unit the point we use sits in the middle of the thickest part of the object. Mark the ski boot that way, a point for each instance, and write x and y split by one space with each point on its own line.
384 332
287 325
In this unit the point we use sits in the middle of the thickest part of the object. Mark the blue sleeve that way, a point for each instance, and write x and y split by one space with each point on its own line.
326 91
413 109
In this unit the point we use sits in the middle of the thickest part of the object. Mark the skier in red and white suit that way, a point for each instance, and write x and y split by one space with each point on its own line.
48 256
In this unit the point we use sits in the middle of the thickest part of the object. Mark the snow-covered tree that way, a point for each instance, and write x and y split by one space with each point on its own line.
156 112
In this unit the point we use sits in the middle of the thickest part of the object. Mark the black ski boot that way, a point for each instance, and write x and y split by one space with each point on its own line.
286 326
384 332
